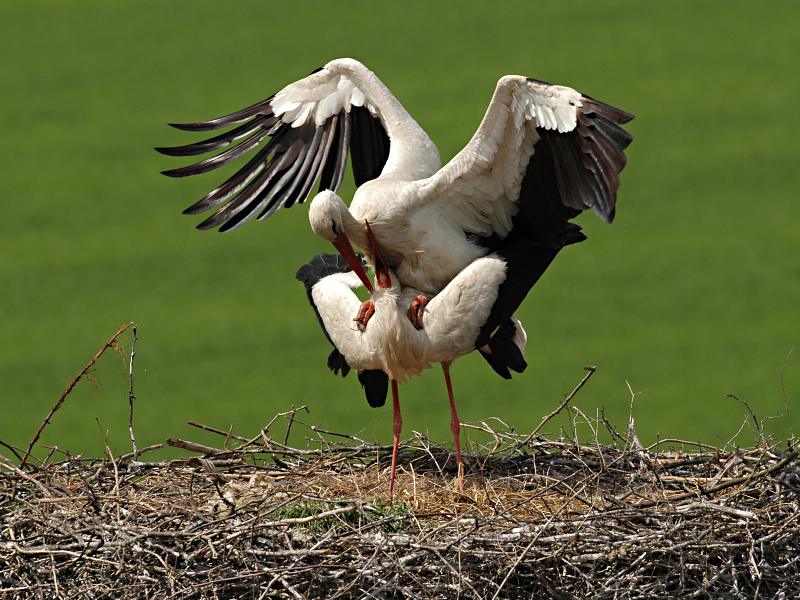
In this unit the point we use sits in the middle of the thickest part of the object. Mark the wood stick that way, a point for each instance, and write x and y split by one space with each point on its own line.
589 372
88 367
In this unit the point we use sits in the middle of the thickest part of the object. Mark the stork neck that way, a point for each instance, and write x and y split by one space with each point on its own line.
412 154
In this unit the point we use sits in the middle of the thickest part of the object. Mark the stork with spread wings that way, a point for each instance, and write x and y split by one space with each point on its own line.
537 141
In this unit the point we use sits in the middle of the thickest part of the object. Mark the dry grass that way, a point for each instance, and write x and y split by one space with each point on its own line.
538 518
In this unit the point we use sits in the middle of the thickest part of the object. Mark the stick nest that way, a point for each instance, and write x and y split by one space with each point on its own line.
537 518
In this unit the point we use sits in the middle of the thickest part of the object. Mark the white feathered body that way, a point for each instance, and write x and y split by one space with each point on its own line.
418 210
424 216
453 320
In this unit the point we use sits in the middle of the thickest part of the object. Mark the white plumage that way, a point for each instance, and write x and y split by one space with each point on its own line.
542 154
389 345
390 342
428 218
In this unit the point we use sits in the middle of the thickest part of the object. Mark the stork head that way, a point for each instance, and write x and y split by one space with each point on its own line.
330 219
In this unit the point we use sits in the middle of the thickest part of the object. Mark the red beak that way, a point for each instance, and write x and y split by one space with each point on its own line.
345 248
381 268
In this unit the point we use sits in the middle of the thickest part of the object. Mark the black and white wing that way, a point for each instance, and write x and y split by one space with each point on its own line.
295 138
551 135
374 381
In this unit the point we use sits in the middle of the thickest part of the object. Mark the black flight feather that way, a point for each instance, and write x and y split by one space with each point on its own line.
502 354
376 384
279 174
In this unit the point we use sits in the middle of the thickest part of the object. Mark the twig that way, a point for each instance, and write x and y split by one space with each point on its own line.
12 449
589 372
131 394
194 447
70 386
753 416
289 426
142 451
633 439
223 433
11 466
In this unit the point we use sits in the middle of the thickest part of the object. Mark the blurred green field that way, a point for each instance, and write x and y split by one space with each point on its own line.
692 294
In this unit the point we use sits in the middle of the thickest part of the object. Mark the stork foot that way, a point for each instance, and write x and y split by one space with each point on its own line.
364 314
417 309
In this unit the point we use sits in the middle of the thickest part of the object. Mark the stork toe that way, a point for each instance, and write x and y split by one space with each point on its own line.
364 314
417 309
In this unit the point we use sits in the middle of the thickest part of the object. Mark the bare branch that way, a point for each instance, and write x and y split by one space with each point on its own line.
131 394
567 399
82 373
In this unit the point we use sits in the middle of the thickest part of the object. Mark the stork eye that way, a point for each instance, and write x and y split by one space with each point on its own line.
334 228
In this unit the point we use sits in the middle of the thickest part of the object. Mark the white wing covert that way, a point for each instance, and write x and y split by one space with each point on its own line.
563 142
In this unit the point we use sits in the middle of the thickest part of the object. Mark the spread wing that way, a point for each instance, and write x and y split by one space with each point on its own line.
552 136
295 138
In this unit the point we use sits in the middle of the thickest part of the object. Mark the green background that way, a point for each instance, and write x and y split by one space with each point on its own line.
692 294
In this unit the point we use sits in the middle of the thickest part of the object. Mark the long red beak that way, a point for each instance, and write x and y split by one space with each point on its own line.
345 248
382 277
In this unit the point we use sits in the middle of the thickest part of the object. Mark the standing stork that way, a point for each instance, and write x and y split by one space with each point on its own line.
473 311
540 149
536 141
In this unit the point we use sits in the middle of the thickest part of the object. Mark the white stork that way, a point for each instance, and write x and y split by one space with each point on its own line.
541 151
536 140
473 311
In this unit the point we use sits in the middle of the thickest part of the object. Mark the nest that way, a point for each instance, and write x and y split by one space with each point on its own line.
537 517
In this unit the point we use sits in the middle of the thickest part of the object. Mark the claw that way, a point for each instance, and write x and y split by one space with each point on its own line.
364 314
417 309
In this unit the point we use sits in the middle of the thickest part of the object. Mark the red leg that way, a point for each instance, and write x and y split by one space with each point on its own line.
364 314
455 425
397 426
417 309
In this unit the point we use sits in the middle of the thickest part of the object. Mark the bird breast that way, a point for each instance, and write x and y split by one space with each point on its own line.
424 246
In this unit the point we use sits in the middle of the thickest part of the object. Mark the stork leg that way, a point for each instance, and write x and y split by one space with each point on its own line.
364 314
397 426
417 309
455 425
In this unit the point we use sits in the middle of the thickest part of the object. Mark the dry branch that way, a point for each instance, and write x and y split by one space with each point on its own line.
111 343
131 393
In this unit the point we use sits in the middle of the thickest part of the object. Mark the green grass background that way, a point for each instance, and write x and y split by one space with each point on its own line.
692 294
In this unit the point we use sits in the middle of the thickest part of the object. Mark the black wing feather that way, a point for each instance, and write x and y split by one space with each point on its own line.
540 230
376 385
285 159
279 171
366 145
221 140
587 160
262 107
503 355
215 162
